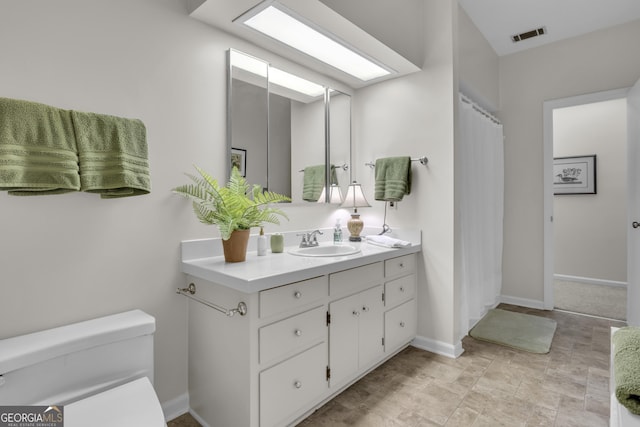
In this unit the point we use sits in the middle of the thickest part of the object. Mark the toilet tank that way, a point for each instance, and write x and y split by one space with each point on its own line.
61 365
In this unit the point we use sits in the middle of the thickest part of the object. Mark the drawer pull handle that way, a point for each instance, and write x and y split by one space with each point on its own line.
297 294
401 289
356 313
297 384
298 332
365 308
402 324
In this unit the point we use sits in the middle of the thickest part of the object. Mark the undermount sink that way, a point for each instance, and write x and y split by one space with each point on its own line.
325 250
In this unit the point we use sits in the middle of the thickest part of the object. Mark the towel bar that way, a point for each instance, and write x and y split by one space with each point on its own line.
423 161
344 167
191 290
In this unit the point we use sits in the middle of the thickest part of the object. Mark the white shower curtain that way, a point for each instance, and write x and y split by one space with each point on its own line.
480 212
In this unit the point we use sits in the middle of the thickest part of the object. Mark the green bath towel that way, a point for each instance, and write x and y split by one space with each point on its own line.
112 154
37 149
626 360
313 182
393 178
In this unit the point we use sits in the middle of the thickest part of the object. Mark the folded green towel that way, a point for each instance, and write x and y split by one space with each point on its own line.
626 360
313 182
37 149
113 155
393 178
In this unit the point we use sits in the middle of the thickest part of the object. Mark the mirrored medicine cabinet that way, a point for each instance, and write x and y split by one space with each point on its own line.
279 124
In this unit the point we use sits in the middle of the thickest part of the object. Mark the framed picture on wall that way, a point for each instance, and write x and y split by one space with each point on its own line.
574 175
239 160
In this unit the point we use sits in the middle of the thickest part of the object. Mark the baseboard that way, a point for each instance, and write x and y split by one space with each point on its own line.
590 280
523 302
175 407
438 347
199 419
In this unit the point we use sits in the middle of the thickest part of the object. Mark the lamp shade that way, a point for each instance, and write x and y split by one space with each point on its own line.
335 195
355 197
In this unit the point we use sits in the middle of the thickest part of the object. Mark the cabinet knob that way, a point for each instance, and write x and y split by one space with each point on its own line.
298 332
297 384
356 313
297 294
365 308
402 324
401 289
402 265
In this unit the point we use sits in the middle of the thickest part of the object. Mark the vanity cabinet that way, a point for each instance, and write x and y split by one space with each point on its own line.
299 344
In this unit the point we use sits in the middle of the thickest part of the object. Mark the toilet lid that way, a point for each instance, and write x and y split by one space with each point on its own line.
133 404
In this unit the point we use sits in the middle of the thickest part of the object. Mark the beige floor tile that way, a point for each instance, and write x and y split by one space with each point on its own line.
462 417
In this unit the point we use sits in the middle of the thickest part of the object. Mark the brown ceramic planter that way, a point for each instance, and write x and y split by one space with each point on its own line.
235 249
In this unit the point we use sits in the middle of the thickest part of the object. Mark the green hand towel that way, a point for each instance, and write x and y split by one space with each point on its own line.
37 149
313 182
626 360
393 178
113 155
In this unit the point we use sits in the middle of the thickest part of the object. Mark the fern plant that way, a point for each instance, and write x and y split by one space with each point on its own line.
230 207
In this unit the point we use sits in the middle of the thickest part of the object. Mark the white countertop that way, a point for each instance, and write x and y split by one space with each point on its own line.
263 272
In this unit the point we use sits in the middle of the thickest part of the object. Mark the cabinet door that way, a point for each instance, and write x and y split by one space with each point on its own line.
371 326
343 338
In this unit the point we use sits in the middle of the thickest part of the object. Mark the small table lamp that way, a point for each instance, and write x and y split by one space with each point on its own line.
355 199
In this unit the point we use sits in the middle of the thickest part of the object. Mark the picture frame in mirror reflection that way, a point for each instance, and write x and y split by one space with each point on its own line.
239 160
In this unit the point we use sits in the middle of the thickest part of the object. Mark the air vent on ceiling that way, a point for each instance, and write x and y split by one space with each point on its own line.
527 35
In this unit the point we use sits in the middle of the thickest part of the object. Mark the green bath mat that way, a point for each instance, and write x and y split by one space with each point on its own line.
516 330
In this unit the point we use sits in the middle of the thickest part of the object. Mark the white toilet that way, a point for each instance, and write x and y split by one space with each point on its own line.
101 370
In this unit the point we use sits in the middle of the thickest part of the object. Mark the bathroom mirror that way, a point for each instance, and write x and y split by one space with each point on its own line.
279 124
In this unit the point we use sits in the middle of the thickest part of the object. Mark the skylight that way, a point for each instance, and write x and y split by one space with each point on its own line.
281 24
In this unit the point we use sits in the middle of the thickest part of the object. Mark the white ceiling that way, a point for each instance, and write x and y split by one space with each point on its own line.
498 20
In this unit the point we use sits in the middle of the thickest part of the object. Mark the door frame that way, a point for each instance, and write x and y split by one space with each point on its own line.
548 107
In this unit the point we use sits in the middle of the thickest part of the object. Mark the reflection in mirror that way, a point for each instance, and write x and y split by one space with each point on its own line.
280 120
247 121
340 141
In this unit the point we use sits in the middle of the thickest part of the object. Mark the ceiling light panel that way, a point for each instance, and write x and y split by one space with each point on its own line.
279 23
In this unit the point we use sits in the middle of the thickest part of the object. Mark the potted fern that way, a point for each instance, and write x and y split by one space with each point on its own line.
232 209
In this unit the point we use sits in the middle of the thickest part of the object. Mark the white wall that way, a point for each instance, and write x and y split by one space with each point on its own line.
595 62
72 257
591 229
478 65
413 116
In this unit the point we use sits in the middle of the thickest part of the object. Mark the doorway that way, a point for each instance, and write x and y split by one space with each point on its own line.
585 234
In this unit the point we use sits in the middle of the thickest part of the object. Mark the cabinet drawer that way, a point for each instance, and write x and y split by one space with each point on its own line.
399 290
293 296
356 279
400 325
291 385
295 333
400 265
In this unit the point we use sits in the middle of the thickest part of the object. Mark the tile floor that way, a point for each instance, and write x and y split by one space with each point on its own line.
489 385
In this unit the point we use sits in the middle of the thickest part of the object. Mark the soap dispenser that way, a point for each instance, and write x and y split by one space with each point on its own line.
262 243
337 233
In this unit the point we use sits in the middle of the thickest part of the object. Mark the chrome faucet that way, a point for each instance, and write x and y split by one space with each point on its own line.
310 239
